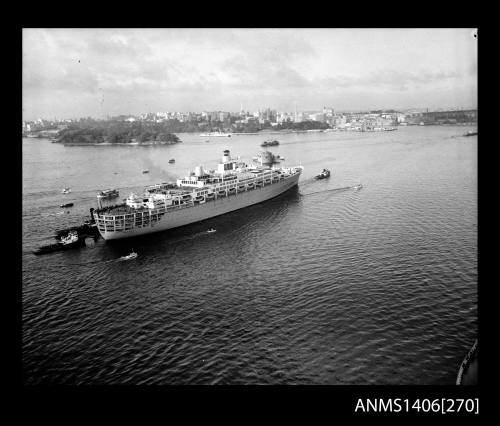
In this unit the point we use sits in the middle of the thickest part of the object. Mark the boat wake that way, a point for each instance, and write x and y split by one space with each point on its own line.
52 214
345 188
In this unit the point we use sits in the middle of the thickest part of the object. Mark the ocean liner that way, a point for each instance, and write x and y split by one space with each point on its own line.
199 196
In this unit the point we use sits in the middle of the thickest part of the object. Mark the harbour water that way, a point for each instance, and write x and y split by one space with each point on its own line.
376 286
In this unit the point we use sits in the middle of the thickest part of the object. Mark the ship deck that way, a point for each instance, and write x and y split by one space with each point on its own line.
259 175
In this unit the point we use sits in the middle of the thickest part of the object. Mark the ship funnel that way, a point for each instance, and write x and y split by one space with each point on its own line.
226 156
198 171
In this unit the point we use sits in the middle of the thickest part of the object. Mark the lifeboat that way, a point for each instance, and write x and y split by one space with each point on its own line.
250 185
210 196
241 187
221 193
267 181
232 191
199 199
258 184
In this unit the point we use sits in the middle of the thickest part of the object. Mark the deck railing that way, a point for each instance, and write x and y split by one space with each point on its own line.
108 222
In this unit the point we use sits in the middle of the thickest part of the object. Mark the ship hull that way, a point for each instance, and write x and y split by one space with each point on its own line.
207 210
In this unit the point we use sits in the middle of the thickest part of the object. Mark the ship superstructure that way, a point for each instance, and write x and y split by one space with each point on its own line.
200 195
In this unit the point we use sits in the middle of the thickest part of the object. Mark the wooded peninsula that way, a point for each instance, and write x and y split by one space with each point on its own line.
91 132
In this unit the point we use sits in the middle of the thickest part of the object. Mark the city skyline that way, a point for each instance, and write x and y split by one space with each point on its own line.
100 72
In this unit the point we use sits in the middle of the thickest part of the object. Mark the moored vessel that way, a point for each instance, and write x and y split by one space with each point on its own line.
215 134
199 196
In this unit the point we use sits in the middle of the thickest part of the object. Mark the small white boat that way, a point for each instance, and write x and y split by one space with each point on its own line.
324 174
130 256
65 191
210 231
358 187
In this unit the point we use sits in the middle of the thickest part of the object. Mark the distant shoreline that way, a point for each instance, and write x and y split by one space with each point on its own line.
120 143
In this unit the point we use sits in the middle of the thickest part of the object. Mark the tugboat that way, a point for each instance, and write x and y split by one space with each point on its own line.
108 193
324 174
66 205
68 242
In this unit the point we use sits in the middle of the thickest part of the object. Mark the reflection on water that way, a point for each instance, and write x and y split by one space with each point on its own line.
316 286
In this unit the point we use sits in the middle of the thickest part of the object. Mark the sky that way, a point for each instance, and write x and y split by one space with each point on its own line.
72 73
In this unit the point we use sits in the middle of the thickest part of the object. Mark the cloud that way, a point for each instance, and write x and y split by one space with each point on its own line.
219 68
388 80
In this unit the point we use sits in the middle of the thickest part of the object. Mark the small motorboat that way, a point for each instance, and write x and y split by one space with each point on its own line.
145 171
324 174
211 231
470 133
270 143
65 191
357 187
172 160
67 205
130 256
